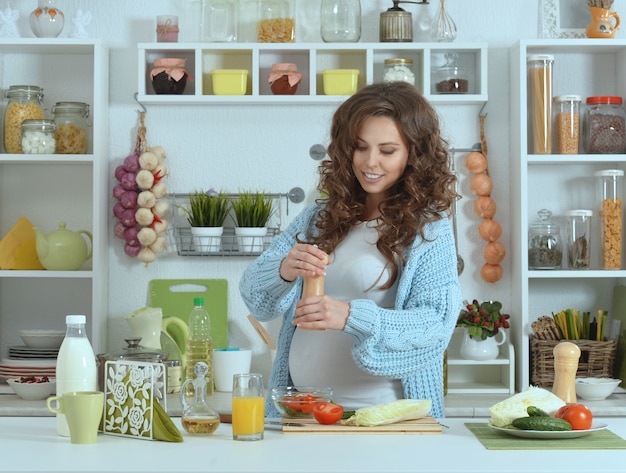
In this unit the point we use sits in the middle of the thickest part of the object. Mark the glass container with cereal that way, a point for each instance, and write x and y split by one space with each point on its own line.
71 127
277 21
24 103
611 214
567 123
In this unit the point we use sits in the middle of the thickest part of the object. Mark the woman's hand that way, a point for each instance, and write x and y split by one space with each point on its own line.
303 260
321 312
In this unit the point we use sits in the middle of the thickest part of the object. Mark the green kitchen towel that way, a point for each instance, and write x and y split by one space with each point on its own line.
493 440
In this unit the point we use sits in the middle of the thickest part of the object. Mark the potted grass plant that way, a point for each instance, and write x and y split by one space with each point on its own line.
206 214
252 212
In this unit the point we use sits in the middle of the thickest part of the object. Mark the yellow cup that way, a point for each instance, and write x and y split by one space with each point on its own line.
83 412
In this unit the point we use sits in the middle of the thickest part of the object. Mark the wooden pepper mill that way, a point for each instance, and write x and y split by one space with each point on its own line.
313 286
566 355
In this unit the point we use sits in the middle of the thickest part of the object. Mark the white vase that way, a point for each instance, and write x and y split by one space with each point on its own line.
251 239
481 350
207 239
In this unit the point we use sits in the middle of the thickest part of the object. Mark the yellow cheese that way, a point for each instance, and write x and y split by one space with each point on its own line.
17 248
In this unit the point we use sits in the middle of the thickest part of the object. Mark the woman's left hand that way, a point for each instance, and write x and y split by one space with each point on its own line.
321 312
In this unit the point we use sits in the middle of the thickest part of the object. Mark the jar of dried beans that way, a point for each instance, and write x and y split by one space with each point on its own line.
24 103
71 127
277 21
604 127
567 123
610 193
544 243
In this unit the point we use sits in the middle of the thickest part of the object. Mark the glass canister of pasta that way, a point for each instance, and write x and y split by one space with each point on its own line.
71 119
611 214
24 103
277 21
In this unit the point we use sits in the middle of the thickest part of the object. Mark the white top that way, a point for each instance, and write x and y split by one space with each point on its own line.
323 358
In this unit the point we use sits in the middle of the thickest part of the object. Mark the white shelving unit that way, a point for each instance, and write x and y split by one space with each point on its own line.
311 59
585 67
49 189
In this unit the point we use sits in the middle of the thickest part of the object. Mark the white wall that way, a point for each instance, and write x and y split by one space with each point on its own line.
232 147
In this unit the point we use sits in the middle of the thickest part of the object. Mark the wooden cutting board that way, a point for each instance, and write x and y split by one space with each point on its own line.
425 425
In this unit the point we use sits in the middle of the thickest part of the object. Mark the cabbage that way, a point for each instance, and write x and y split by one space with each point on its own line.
396 411
505 412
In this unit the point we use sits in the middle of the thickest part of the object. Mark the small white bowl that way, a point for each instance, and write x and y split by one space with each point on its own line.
50 339
595 389
33 391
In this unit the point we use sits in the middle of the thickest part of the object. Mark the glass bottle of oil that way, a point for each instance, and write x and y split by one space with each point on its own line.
198 417
199 342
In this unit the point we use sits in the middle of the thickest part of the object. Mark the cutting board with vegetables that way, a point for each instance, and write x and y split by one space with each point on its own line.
425 425
175 297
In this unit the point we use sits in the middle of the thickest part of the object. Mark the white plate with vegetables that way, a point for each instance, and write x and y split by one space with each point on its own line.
549 434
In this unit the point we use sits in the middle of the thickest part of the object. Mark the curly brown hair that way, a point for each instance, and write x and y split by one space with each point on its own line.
424 193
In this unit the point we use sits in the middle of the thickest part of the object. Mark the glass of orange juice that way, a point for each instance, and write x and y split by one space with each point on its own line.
248 416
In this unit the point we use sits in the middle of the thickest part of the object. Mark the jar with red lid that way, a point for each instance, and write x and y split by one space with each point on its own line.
604 125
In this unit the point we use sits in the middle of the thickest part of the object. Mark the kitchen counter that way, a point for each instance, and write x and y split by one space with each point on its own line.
31 444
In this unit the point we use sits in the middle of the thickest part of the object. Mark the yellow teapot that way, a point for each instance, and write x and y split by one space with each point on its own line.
63 249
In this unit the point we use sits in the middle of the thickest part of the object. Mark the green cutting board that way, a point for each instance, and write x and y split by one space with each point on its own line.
175 298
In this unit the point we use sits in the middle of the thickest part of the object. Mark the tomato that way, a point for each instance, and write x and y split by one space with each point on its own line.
327 413
578 415
308 402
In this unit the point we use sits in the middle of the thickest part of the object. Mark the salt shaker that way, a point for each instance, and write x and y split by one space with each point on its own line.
566 355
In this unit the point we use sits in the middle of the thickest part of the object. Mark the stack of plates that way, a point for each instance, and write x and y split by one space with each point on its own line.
28 353
15 368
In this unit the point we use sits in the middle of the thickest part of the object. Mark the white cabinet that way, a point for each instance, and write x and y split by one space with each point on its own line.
311 59
584 67
49 189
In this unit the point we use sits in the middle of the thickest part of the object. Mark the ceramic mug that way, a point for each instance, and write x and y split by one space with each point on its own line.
228 362
83 412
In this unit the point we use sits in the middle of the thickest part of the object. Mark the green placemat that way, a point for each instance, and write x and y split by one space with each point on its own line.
493 440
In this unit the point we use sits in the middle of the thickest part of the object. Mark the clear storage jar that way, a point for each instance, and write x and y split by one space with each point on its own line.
611 214
38 137
578 238
604 129
451 78
540 100
71 120
277 21
567 123
24 103
545 249
218 21
399 69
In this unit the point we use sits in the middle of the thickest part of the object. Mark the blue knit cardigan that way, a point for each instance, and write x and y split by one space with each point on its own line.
406 342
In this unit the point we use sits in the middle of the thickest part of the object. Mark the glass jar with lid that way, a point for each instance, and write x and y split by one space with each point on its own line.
604 125
544 243
340 21
451 78
611 215
540 102
567 123
71 119
277 21
24 103
399 69
578 238
38 136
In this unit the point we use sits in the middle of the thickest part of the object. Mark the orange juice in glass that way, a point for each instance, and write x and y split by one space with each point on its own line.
248 407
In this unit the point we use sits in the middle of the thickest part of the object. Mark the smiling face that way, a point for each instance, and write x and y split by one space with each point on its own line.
379 160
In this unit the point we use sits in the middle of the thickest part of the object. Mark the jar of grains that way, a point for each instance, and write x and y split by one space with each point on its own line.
604 127
71 127
567 123
24 103
38 137
610 194
399 69
544 243
277 21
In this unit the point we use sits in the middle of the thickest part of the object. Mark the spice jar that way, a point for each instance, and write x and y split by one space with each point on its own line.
25 103
70 119
277 21
169 75
567 123
284 79
578 238
610 194
540 96
38 137
399 69
451 78
544 243
604 125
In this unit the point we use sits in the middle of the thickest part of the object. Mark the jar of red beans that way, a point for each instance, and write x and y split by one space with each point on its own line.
604 125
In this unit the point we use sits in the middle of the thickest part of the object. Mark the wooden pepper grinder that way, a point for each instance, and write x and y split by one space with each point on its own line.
313 286
566 355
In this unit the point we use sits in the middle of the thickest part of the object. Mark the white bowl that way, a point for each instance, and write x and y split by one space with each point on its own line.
33 391
595 389
51 339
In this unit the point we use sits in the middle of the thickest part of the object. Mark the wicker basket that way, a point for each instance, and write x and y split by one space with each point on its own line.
597 360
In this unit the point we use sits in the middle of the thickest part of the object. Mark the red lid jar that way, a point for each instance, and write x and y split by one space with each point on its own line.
604 125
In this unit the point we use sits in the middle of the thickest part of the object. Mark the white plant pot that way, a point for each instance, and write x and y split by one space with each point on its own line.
481 350
251 239
207 239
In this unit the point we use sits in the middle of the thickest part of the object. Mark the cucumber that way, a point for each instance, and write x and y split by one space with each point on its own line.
541 423
536 412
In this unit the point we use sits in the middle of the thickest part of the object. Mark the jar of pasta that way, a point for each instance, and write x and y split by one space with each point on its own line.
24 103
540 96
567 123
610 193
277 21
71 127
